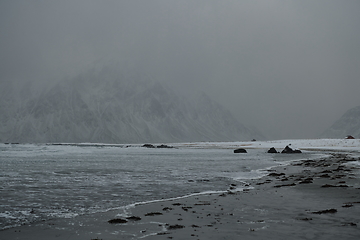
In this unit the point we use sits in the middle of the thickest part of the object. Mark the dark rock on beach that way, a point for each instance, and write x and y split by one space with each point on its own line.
272 150
330 186
288 149
285 185
153 214
167 209
133 218
240 150
176 226
117 220
148 145
164 146
274 174
349 224
332 210
177 204
186 208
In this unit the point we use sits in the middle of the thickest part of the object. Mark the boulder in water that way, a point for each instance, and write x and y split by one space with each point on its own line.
240 150
147 145
288 149
272 150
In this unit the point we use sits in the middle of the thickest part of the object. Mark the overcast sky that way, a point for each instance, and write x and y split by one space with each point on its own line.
290 68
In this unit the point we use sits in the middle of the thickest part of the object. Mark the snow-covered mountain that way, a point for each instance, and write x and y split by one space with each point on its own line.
348 124
110 106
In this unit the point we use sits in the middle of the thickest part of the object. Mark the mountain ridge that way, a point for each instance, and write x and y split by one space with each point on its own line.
108 106
347 124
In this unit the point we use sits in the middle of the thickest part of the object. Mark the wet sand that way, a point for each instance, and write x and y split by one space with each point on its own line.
309 199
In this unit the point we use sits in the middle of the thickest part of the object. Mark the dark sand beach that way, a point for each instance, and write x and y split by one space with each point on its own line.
308 199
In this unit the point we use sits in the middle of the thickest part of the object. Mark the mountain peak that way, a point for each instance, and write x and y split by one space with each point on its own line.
110 106
348 124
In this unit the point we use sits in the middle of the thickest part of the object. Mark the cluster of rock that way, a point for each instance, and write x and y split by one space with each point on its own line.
159 146
287 150
334 169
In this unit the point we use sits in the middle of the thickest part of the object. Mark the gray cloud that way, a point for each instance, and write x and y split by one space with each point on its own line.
291 68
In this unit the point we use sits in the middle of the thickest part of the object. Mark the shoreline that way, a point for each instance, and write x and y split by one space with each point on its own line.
312 199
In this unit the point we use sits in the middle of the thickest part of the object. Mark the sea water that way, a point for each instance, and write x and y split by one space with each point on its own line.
41 182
